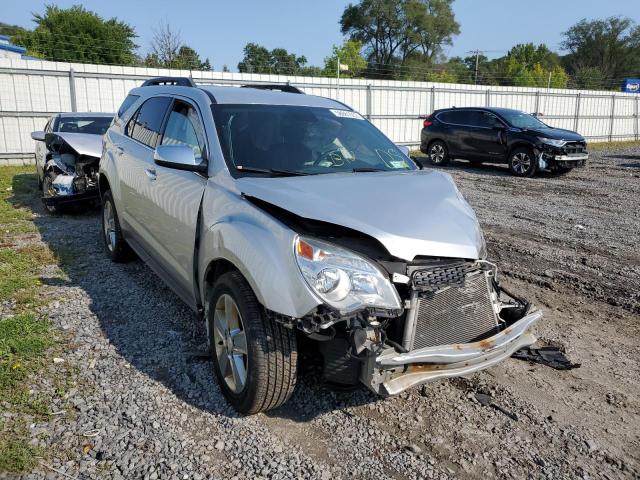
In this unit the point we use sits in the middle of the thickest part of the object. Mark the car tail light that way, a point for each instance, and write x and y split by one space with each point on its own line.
427 122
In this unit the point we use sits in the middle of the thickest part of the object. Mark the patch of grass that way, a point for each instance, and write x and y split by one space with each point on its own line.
26 340
596 146
16 454
18 189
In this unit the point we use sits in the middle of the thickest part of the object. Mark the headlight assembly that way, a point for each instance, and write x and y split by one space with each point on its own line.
552 141
343 279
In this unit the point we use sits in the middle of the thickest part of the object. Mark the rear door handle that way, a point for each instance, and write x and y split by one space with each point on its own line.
151 173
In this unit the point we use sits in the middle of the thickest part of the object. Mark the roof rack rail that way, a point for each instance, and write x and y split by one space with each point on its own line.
282 87
178 81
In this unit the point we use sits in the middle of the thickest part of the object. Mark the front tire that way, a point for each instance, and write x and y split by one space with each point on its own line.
114 241
522 162
48 191
438 153
254 357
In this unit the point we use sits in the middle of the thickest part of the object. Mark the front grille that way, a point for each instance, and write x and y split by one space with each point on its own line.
573 148
455 314
433 279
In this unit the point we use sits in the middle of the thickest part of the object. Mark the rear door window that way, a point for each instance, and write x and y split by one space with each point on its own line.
146 124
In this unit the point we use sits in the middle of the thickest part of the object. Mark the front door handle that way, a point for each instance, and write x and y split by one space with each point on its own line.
151 173
119 150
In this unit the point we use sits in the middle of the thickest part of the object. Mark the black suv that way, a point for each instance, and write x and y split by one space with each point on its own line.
501 135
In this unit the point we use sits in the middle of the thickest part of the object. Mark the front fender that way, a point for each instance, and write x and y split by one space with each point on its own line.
264 256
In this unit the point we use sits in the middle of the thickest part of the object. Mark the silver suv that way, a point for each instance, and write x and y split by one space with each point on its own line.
288 221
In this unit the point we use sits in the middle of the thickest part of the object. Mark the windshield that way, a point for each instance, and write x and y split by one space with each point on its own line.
94 125
302 139
522 120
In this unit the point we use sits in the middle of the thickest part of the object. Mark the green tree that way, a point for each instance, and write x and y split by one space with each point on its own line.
78 35
349 54
611 46
394 30
257 59
10 30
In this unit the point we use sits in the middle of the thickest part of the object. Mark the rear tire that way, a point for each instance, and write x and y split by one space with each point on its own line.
522 162
438 153
114 241
267 355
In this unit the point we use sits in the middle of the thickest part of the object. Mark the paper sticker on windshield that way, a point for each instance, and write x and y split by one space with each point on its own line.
398 164
347 114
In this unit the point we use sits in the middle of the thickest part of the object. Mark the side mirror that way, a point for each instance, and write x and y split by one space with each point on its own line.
38 136
404 149
180 157
417 161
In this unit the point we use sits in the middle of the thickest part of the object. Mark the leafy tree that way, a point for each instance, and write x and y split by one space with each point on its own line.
393 30
349 54
611 46
10 30
78 35
257 59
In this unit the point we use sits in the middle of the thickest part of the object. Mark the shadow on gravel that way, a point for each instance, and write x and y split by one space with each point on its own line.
148 325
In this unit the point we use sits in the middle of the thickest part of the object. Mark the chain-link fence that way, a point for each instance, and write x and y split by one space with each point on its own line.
30 91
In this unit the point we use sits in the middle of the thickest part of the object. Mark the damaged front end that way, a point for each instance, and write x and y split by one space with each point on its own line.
455 320
70 172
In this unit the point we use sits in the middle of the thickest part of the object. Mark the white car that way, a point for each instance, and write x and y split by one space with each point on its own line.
67 154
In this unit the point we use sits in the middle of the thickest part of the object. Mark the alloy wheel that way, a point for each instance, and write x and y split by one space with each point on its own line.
521 163
437 153
230 343
109 225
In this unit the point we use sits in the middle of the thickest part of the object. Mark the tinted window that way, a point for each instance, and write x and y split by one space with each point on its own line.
460 117
485 119
521 119
130 100
146 123
84 124
184 128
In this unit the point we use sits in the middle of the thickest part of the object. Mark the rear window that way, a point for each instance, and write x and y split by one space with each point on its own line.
145 125
459 117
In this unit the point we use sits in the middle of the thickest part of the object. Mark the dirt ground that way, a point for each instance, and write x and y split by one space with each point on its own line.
569 244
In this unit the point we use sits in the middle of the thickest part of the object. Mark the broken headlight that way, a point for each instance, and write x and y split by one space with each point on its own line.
552 141
343 279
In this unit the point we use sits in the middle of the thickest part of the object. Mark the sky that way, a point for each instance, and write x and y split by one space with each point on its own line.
220 29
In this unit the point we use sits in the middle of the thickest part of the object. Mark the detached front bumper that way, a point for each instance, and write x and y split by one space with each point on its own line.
551 160
391 373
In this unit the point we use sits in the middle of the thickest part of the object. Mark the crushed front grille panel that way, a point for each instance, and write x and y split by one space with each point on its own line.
460 313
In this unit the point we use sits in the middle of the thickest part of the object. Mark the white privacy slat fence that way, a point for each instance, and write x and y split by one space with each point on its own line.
31 90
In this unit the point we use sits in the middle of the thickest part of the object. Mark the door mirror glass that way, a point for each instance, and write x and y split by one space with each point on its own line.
180 157
38 136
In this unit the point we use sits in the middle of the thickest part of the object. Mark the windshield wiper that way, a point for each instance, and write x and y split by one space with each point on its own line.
271 171
367 169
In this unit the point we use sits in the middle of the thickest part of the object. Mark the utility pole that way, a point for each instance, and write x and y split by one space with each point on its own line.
477 53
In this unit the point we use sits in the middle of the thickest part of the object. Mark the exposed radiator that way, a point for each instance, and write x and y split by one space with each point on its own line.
460 313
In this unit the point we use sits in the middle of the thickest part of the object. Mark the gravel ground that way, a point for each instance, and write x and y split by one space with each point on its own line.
147 406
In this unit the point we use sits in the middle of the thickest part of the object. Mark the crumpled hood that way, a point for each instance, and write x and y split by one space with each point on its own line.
410 213
83 143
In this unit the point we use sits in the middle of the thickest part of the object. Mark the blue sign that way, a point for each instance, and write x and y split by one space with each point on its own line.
631 85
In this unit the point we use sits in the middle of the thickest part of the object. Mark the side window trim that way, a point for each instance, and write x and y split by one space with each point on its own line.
191 103
465 124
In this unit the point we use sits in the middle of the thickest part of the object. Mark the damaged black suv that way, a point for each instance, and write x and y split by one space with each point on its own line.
502 135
